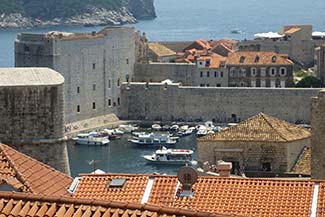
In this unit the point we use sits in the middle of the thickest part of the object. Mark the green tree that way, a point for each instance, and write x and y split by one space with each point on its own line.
309 81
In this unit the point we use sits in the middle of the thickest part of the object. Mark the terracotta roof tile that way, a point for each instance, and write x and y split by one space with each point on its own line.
259 128
256 58
250 197
29 175
19 204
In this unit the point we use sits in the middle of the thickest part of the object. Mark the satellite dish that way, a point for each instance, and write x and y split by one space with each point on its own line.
187 175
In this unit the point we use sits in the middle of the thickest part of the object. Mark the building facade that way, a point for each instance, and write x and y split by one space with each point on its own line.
261 143
297 41
259 69
94 65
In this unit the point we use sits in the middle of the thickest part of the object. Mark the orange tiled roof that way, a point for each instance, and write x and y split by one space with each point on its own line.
303 164
251 57
29 175
259 128
292 30
248 197
229 43
321 200
199 44
215 60
19 204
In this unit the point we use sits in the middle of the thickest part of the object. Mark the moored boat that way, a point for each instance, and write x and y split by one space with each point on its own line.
92 138
156 127
171 156
153 139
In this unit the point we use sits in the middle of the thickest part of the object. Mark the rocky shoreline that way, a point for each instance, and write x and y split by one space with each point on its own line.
94 17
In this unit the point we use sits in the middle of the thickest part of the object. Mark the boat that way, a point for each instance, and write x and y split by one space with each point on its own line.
187 132
174 127
156 127
153 139
92 138
202 132
165 127
236 31
171 156
127 128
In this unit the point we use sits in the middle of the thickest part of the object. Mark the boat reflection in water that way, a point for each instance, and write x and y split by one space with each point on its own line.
171 156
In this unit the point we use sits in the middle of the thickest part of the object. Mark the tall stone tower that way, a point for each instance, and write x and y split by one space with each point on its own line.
32 114
318 136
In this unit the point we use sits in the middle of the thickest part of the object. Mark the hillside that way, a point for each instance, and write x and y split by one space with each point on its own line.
21 13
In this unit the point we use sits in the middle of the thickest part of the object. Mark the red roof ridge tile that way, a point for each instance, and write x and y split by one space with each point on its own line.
113 204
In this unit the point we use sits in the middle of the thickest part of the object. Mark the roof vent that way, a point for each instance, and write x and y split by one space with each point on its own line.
74 185
257 59
187 176
117 183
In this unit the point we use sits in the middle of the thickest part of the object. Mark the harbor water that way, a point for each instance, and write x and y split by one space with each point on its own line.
121 156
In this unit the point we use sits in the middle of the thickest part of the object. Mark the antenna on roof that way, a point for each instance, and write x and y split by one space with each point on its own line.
93 163
187 176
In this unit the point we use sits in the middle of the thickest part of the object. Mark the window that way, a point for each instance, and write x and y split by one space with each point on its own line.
218 85
242 59
109 83
94 86
266 166
221 74
200 63
215 74
273 59
78 89
78 108
201 74
272 83
283 71
94 105
208 85
127 61
118 82
109 102
253 72
26 48
263 83
118 101
232 72
208 74
282 83
94 65
257 59
253 83
263 72
201 85
272 71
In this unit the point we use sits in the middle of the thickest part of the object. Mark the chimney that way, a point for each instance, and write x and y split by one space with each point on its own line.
93 33
224 168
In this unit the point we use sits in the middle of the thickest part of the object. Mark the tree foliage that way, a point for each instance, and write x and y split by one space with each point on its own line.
309 81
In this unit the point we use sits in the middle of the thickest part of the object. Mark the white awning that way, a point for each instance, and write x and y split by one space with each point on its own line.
318 34
268 35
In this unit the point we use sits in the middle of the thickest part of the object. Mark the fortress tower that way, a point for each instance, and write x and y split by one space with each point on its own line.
32 114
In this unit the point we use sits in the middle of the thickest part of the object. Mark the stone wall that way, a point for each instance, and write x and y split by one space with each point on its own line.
250 155
179 103
32 120
93 67
318 136
157 72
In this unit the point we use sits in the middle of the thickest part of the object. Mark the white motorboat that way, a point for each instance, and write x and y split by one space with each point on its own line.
187 132
202 132
171 156
174 127
118 131
92 138
156 127
153 139
127 128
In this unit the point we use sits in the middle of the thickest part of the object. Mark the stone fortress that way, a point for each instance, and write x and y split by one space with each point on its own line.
32 114
94 66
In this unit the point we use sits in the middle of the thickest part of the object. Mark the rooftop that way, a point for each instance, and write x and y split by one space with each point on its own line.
26 174
239 196
30 77
161 50
257 58
19 204
303 164
260 128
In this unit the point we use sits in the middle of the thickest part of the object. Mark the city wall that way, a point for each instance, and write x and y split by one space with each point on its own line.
157 72
157 102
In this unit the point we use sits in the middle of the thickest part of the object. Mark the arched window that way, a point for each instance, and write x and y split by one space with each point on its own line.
283 71
253 72
272 71
273 59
